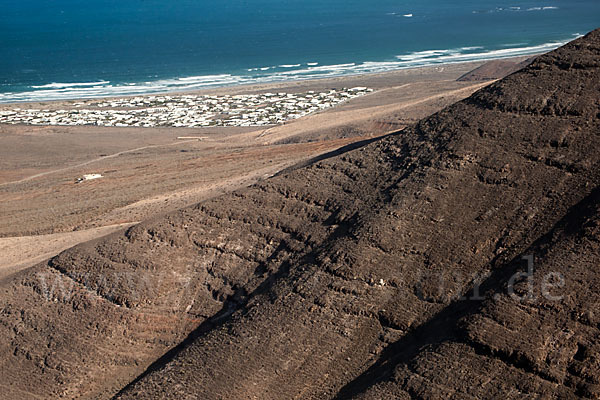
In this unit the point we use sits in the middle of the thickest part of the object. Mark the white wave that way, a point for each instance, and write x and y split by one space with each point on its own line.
202 78
453 56
260 69
429 53
312 64
319 69
542 8
55 85
425 55
311 71
289 65
515 9
407 15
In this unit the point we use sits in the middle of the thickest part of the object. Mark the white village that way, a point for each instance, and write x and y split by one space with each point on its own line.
185 110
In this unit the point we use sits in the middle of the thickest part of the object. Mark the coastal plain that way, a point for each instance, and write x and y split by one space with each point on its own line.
151 171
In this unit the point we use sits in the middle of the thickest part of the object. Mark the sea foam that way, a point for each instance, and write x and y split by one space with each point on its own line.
55 85
281 73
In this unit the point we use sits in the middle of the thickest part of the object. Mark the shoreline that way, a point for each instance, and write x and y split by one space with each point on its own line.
373 80
359 78
257 105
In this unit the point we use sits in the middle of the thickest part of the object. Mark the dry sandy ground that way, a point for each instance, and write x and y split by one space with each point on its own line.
23 251
148 171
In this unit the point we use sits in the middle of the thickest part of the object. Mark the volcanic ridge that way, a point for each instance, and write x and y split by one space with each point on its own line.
458 258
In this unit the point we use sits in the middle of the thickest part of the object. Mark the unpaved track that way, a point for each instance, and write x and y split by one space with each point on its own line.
96 160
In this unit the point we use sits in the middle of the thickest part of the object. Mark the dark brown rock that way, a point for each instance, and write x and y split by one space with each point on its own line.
344 278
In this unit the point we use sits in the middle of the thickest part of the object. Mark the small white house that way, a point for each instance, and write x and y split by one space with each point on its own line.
89 177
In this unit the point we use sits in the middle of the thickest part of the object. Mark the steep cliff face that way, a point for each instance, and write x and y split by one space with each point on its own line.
375 273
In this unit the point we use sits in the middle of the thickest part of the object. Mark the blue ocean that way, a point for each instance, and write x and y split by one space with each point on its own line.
62 49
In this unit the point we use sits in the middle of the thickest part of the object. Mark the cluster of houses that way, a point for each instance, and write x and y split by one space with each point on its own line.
185 110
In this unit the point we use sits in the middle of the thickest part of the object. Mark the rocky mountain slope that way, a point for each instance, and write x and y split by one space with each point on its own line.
385 271
495 69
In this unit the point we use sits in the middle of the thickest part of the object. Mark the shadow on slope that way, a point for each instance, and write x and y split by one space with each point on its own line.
447 324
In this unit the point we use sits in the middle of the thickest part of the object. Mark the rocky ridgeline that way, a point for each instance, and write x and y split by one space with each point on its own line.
186 110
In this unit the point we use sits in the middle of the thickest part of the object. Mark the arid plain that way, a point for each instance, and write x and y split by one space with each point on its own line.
150 171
